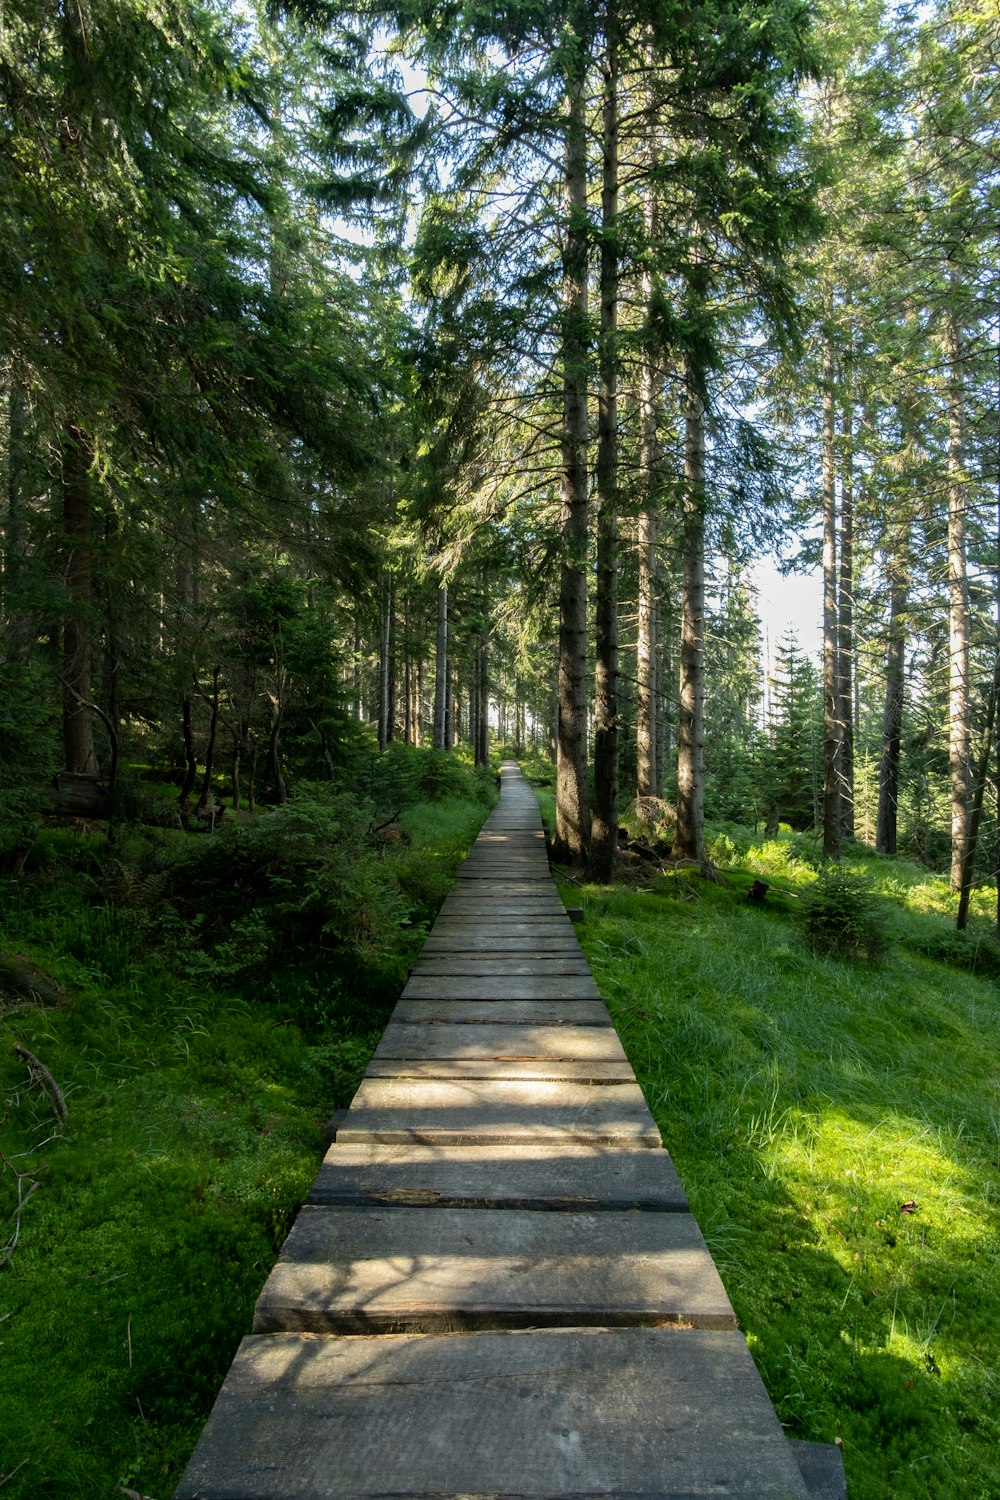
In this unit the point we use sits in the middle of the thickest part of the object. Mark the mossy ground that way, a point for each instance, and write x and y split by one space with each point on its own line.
194 1128
837 1127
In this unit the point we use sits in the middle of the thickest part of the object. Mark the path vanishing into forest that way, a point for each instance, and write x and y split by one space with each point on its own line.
496 1288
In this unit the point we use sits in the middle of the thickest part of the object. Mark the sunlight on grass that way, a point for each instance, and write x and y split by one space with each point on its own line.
837 1127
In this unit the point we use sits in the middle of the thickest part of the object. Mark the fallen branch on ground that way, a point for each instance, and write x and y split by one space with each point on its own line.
44 1077
7 1253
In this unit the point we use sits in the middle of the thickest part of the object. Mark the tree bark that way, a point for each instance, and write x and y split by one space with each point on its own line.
570 842
190 759
205 799
892 717
689 835
482 729
832 736
604 828
77 514
845 617
978 795
441 670
648 764
386 684
959 735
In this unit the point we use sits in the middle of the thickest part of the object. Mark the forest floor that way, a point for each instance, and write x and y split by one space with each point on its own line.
141 1215
837 1127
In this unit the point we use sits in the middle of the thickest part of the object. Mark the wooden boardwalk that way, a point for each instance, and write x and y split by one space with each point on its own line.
496 1288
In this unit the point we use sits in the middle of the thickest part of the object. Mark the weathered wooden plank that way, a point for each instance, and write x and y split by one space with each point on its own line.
433 1270
503 1012
450 939
485 1111
628 1412
492 899
555 924
486 966
539 1175
514 987
455 1070
587 1044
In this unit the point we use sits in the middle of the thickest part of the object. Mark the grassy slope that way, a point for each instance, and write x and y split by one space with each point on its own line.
193 1133
805 1102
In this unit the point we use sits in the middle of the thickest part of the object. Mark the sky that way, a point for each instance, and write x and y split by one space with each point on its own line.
795 602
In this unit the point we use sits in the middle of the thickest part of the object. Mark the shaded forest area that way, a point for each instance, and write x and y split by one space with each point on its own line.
385 386
438 373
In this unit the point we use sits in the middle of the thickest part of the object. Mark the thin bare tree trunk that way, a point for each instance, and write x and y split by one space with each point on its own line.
482 727
441 670
845 617
959 736
647 782
386 686
689 835
892 718
571 769
604 827
832 735
77 515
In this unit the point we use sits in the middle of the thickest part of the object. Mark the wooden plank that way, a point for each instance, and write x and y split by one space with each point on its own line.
487 1111
516 987
534 1175
450 939
431 1270
508 884
487 966
503 1012
585 1044
596 1074
488 927
628 1412
493 902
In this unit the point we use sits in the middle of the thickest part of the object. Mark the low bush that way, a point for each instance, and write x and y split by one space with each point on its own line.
841 916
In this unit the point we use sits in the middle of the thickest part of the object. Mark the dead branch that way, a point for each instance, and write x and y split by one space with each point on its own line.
7 1253
6 1478
44 1077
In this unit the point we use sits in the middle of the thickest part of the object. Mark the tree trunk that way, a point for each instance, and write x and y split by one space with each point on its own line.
892 718
441 671
77 510
274 744
689 834
16 621
832 737
959 736
648 770
359 711
190 759
845 620
604 828
205 798
978 794
386 706
570 843
482 728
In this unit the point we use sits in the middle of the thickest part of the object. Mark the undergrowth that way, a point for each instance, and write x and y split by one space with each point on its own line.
203 1004
836 1123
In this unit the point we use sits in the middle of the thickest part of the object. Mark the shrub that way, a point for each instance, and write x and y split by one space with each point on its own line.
841 916
305 878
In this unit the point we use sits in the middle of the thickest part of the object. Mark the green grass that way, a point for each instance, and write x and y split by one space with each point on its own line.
194 1129
837 1127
